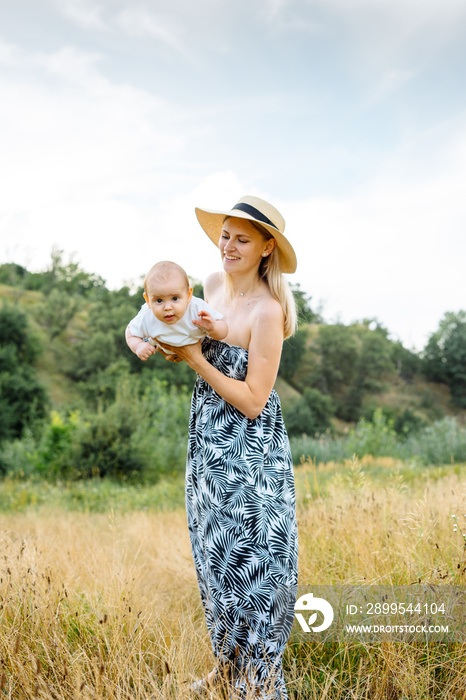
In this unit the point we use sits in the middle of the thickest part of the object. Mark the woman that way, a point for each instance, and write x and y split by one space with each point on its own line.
239 482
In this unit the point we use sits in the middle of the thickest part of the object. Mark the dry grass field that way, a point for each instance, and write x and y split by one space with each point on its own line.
98 606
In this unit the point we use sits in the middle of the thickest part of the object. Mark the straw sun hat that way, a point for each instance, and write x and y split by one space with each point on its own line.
258 211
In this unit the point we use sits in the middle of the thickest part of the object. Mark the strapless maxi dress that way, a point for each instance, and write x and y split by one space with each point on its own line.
241 512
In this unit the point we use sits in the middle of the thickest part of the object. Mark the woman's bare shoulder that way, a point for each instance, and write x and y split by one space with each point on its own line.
267 325
269 309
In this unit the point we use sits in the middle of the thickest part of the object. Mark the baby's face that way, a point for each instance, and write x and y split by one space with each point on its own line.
168 299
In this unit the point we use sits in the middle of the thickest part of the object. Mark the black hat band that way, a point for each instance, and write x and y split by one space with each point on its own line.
252 211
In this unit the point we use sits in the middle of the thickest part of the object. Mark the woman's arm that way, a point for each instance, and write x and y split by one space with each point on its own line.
264 352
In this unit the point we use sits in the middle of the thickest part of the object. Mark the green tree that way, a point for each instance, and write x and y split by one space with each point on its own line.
56 311
292 353
23 400
310 414
374 360
407 362
303 306
338 350
66 277
198 289
12 274
295 347
349 404
444 357
16 337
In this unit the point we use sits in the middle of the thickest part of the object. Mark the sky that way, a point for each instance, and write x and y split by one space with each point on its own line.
118 117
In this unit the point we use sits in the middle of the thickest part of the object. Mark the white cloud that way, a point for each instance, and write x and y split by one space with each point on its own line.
85 161
405 17
140 22
8 54
389 83
99 169
395 250
79 128
377 25
374 36
85 13
72 65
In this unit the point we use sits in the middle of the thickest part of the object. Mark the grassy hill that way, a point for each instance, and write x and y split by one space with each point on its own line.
357 367
58 386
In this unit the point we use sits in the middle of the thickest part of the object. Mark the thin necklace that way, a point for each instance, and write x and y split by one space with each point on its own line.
247 291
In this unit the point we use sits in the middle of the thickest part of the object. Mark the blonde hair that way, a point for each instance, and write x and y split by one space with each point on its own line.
162 271
270 272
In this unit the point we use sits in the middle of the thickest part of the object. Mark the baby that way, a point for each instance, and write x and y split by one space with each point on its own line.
171 314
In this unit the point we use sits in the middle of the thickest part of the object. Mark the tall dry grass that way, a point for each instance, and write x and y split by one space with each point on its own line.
98 606
106 606
383 532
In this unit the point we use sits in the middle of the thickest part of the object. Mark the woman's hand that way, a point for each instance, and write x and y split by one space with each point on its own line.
191 354
170 355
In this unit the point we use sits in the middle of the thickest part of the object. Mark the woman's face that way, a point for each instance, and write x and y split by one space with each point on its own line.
242 246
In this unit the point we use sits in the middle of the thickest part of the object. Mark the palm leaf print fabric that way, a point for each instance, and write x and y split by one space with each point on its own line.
241 513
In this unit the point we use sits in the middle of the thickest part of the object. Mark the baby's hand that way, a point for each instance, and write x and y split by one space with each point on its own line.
145 350
206 322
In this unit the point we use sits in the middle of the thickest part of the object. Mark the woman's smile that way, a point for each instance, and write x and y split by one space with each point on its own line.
241 243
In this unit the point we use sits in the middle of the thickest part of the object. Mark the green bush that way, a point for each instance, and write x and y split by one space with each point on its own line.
376 437
321 449
404 423
298 418
55 447
166 438
443 442
133 437
18 457
23 403
105 445
310 414
440 443
23 400
408 423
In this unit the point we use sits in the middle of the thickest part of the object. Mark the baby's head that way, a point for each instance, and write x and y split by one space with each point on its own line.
167 291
